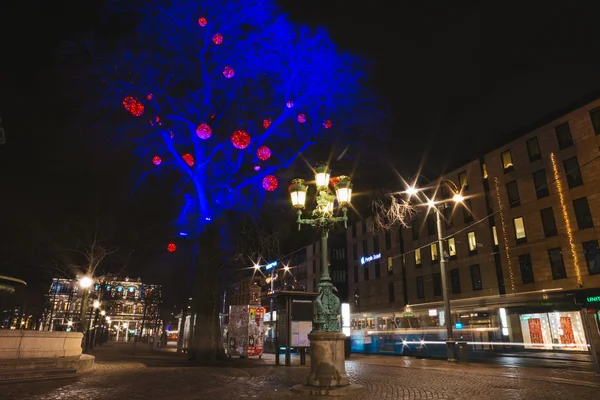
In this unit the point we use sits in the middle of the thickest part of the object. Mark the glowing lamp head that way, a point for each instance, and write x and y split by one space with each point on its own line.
430 203
298 193
322 174
107 319
69 323
411 191
256 267
96 304
103 313
343 190
85 282
286 268
458 198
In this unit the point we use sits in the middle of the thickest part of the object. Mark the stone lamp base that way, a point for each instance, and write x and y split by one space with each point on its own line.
327 360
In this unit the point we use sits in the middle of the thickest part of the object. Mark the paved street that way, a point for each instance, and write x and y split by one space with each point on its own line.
162 375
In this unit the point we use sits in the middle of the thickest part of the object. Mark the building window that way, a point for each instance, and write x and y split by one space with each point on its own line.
484 171
437 284
366 272
563 135
592 256
540 183
467 211
557 263
388 240
519 226
507 162
476 277
434 253
375 244
455 280
390 266
355 274
582 213
595 117
512 191
415 229
418 258
365 248
573 172
526 268
472 243
431 228
548 222
533 149
452 247
420 288
495 235
391 292
377 270
355 251
462 181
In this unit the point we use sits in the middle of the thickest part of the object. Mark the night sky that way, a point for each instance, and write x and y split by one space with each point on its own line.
457 78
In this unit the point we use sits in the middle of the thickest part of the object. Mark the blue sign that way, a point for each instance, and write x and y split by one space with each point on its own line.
272 265
364 260
458 325
182 233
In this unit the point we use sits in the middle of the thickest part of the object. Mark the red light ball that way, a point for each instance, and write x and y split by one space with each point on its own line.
240 139
301 118
270 183
263 153
327 124
156 160
267 123
171 247
149 96
257 167
189 159
289 104
218 38
202 21
228 72
204 131
135 107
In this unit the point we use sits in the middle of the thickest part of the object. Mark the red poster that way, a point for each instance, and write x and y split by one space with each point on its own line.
535 331
568 337
255 331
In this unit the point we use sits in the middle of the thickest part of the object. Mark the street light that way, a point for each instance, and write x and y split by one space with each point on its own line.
326 338
103 313
96 304
85 282
457 198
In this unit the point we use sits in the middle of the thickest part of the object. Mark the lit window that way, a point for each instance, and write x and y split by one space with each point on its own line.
495 234
452 247
520 230
390 266
484 171
462 180
418 257
434 252
472 242
507 162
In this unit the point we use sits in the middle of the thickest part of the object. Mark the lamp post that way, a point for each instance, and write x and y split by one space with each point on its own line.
85 282
437 207
326 339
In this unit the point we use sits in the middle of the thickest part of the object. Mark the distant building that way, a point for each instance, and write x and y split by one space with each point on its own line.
131 307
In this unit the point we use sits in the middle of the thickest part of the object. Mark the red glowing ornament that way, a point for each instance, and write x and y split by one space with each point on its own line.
135 107
335 180
204 131
267 123
228 72
218 38
301 118
289 104
156 160
240 139
149 96
263 152
171 247
270 183
189 159
213 116
327 124
202 21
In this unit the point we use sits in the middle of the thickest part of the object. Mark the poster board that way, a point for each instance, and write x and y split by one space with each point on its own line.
300 331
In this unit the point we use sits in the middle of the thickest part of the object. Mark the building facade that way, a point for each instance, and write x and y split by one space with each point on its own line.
522 249
131 307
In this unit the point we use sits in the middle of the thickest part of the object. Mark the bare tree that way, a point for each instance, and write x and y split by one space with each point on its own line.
391 211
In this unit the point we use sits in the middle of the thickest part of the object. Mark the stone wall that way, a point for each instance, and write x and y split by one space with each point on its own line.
27 344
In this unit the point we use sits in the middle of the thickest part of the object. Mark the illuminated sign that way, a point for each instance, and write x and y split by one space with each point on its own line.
593 299
364 260
458 325
346 319
272 265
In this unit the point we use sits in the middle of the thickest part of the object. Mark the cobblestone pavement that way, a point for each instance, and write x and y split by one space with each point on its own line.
151 376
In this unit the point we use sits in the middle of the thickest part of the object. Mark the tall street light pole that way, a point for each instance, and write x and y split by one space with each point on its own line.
328 367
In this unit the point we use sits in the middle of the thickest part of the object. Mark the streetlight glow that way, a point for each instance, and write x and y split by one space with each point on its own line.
298 193
322 175
343 190
96 304
103 313
431 203
458 198
85 282
411 191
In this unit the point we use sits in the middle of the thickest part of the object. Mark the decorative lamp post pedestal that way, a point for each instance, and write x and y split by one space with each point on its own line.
327 360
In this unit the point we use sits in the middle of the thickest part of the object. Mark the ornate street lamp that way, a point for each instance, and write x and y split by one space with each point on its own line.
326 339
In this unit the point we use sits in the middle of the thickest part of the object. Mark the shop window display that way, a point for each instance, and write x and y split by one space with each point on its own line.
553 331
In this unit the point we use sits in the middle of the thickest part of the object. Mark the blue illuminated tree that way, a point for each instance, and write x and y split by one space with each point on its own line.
226 93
